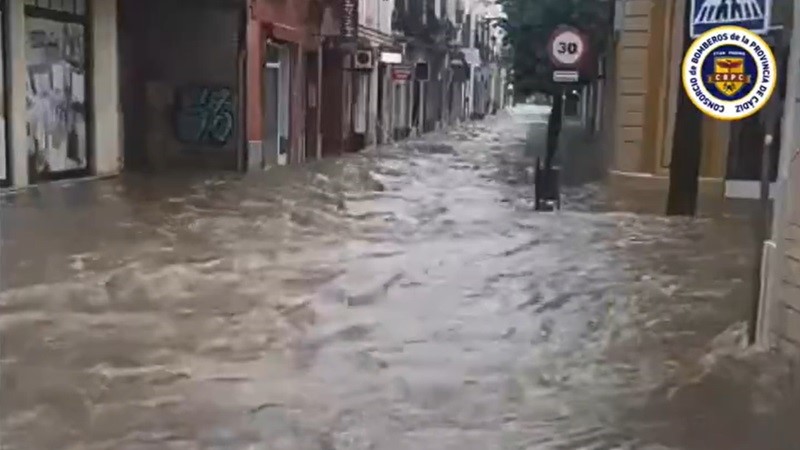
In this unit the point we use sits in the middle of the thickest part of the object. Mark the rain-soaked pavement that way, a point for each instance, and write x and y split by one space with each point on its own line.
403 298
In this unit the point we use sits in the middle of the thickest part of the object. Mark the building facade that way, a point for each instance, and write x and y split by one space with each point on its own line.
378 52
645 84
182 91
645 102
779 321
92 87
284 62
480 46
60 114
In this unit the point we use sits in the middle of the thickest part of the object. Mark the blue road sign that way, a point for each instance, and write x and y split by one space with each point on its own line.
751 14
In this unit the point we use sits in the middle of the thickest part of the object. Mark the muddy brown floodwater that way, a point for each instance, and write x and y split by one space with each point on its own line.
404 298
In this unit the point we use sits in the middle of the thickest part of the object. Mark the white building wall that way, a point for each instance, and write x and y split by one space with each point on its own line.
452 6
375 17
17 74
779 321
376 14
106 106
385 9
366 12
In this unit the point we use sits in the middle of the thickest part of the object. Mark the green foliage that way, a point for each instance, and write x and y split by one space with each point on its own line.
528 25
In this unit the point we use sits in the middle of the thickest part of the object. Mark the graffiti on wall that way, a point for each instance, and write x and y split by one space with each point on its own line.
55 96
205 115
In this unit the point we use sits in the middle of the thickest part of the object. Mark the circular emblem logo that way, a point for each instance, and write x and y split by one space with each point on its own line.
729 73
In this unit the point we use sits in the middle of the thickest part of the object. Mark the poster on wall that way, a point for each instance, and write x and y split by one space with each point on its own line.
56 99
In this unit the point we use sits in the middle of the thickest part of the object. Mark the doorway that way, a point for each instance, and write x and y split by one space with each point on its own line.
743 174
312 105
382 124
276 101
416 105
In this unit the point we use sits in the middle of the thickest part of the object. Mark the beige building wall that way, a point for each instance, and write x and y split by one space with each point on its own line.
632 84
650 53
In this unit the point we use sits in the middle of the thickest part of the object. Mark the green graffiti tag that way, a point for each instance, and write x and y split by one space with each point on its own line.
205 115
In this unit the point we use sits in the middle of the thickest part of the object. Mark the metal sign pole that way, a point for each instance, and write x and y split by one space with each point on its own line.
566 48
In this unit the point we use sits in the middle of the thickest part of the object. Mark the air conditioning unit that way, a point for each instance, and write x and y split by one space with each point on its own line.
363 60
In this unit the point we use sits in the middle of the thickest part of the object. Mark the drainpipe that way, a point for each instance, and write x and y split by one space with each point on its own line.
241 159
372 105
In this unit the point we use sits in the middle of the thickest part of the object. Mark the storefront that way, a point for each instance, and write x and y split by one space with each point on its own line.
458 75
743 168
285 88
276 102
60 99
56 89
401 80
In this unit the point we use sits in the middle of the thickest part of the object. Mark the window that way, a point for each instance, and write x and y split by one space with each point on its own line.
76 7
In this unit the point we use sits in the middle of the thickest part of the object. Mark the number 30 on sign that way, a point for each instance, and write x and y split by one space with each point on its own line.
567 46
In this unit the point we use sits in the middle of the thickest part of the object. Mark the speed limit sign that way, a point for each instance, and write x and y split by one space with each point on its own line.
566 47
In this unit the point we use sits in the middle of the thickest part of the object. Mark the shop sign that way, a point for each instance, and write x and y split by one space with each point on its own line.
566 76
349 31
391 58
401 73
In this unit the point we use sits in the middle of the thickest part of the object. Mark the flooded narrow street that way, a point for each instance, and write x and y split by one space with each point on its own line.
405 298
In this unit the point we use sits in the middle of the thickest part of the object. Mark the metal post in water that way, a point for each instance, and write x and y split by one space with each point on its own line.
763 216
761 233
